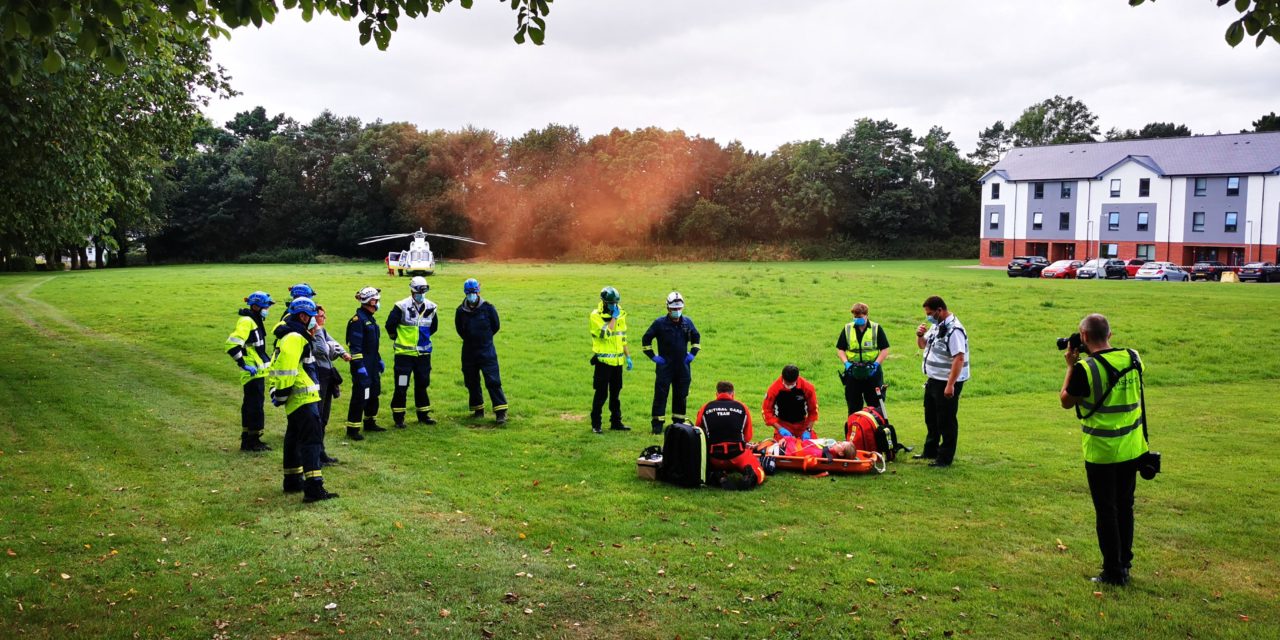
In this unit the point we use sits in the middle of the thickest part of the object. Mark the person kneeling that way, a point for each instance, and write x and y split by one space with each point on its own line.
727 424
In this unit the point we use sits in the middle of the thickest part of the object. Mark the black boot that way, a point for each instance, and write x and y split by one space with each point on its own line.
371 425
315 491
252 442
326 459
353 433
478 413
292 482
425 418
500 416
657 427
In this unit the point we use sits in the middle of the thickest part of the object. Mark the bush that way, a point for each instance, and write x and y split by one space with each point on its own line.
280 256
20 263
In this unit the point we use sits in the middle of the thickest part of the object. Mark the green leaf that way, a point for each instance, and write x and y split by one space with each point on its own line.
1134 3
364 38
536 35
115 61
542 7
1235 33
465 4
382 37
52 61
1242 5
519 37
1252 24
306 13
113 12
42 24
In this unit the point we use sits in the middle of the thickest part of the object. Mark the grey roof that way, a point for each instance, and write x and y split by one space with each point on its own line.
1231 154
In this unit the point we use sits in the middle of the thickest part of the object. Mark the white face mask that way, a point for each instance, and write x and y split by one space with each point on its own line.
473 297
311 324
264 313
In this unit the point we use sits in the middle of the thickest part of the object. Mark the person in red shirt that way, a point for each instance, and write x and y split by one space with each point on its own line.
727 424
791 405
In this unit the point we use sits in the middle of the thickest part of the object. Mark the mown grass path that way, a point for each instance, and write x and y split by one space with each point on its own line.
127 511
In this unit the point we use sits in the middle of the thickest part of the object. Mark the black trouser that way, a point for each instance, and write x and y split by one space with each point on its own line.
607 383
862 393
325 404
252 417
1112 486
940 420
302 444
419 368
675 377
485 365
364 392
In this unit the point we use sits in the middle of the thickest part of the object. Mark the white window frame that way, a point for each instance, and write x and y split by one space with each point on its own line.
993 221
1115 187
1201 187
1148 254
1236 189
1197 227
1113 221
1144 220
1109 250
1231 222
1037 221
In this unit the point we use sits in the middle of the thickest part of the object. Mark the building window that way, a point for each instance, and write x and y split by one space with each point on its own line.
1110 250
1146 252
996 249
1144 187
1233 186
1115 187
1231 226
1037 220
1064 220
995 190
1202 186
1113 221
1066 190
995 220
1143 218
1197 221
1039 191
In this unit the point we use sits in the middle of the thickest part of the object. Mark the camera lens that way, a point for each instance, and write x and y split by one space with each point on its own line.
1063 343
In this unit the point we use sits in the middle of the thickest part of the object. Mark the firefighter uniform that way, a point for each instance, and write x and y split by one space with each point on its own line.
293 381
727 424
410 326
362 344
676 338
476 324
247 346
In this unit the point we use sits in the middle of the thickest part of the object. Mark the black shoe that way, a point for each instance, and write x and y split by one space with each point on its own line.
657 428
254 447
619 427
921 456
425 418
353 433
500 416
596 430
327 459
939 463
1111 579
478 413
292 484
318 495
399 425
373 427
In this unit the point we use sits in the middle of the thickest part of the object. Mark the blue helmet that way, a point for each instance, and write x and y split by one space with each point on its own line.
302 290
260 299
471 286
302 305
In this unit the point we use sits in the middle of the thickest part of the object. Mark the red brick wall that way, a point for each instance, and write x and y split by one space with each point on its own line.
1174 252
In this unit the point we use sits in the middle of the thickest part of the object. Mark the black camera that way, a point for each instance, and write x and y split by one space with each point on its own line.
1072 341
1149 465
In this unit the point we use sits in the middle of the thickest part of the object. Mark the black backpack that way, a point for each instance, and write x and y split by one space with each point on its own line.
684 456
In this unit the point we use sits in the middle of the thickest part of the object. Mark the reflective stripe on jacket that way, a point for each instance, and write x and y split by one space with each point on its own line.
865 351
248 343
293 372
1113 433
608 346
410 326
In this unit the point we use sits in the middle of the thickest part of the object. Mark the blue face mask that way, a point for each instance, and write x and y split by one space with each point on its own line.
473 297
311 325
858 322
675 314
377 305
931 319
264 313
417 297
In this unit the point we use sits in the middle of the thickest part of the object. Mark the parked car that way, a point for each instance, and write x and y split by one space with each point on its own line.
1062 269
1115 268
1260 271
1133 265
1091 269
1162 271
1208 270
1026 266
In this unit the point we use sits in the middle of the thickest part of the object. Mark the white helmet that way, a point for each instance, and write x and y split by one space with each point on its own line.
418 285
368 294
675 300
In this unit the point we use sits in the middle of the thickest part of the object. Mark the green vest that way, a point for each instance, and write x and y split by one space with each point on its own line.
413 334
1113 426
288 372
249 339
866 351
608 346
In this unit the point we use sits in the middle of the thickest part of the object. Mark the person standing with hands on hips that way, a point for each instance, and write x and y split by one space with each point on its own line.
1105 389
946 367
674 332
608 326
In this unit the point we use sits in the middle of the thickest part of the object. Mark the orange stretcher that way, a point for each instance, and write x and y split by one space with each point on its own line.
806 456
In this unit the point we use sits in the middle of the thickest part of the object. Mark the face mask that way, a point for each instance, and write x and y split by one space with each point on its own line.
473 297
377 305
417 297
931 319
675 315
264 313
788 386
312 324
858 322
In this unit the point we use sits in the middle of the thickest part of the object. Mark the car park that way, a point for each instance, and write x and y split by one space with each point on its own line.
1026 266
1115 268
1208 270
1162 271
1061 269
1091 269
1133 265
1260 272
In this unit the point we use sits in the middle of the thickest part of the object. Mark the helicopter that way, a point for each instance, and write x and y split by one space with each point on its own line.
417 260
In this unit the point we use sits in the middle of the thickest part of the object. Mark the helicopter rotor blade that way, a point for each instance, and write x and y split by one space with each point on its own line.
393 236
445 235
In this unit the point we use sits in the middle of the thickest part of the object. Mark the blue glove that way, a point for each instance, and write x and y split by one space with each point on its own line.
784 432
688 357
847 365
615 311
382 366
629 363
253 371
875 368
275 402
364 377
659 360
807 435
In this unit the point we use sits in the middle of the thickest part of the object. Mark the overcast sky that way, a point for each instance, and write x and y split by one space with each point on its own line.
766 71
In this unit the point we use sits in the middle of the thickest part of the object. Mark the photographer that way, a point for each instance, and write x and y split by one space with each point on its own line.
1105 389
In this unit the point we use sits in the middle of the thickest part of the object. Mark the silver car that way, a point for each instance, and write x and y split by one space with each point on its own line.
1091 269
1162 271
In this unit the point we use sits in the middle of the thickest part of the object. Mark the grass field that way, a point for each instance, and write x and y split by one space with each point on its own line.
128 512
